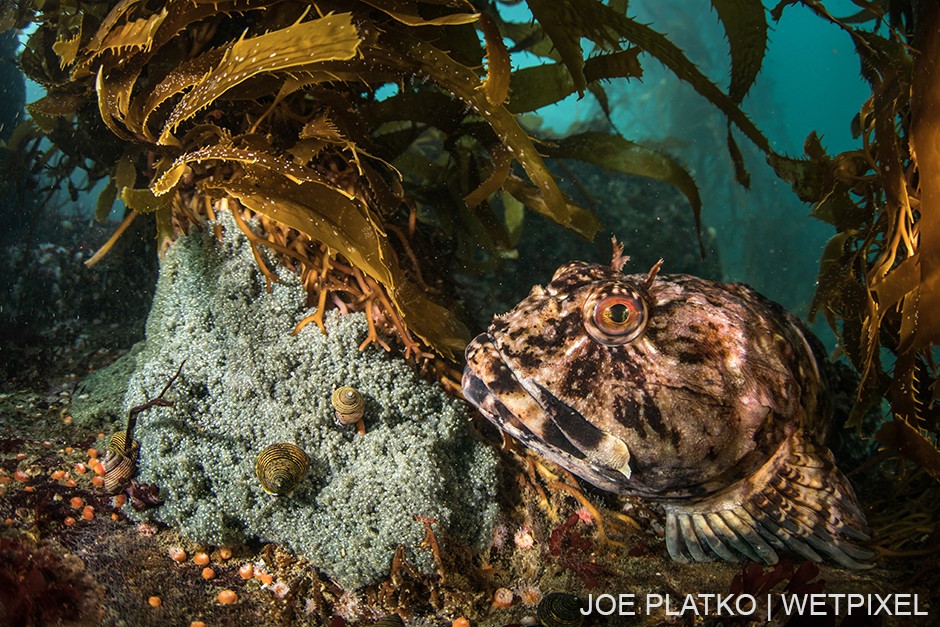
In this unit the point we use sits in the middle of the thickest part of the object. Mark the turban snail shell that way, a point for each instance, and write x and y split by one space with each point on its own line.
118 467
560 609
349 405
280 467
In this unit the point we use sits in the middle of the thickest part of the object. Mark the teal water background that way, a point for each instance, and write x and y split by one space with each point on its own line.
809 81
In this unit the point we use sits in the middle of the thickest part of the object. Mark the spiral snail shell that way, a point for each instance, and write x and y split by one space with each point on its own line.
560 609
280 467
349 405
118 467
117 442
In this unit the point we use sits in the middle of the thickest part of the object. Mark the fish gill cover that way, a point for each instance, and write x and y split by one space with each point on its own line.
272 106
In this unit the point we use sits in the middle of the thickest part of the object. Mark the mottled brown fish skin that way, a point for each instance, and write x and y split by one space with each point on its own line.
718 396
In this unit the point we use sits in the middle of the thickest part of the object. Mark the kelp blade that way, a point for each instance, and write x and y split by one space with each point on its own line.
616 153
333 37
325 215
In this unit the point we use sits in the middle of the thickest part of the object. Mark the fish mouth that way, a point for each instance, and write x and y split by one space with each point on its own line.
541 421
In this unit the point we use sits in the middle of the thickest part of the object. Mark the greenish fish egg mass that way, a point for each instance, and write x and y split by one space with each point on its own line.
253 416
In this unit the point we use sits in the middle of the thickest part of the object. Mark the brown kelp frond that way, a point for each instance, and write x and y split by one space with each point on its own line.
906 520
276 51
346 226
916 445
271 106
99 255
327 277
537 86
567 21
619 154
745 25
226 151
498 71
879 279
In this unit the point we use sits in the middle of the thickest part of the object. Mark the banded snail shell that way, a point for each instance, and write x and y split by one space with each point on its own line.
118 470
560 609
116 443
280 467
118 467
349 405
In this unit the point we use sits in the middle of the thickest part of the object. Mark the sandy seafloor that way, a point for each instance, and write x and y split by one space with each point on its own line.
63 563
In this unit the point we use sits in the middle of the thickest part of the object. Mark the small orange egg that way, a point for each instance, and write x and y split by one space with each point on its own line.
67 420
29 488
460 622
98 467
246 571
197 623
228 597
69 521
4 479
9 522
88 512
120 500
69 449
80 468
115 517
76 502
58 475
97 481
208 573
266 579
177 554
225 553
92 453
154 601
21 476
200 559
70 483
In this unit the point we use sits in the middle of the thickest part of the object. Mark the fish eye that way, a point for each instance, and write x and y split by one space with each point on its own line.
615 319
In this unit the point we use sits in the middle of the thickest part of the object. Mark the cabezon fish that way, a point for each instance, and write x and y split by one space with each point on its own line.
706 399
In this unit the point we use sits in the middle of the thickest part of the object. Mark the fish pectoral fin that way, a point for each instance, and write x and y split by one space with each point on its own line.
613 453
797 502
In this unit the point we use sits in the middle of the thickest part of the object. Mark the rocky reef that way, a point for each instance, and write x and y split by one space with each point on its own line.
247 383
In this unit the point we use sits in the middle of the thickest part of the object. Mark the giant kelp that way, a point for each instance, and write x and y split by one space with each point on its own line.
879 279
271 106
